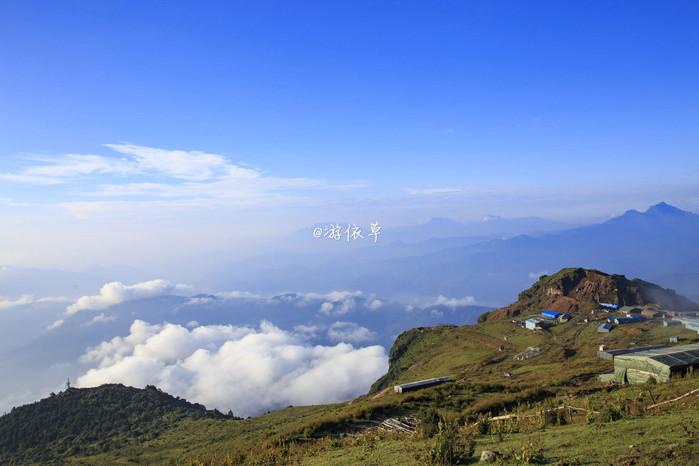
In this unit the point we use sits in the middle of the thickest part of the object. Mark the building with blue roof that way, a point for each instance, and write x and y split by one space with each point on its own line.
549 314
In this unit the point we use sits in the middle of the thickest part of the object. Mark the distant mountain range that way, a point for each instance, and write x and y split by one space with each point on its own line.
660 243
300 258
490 259
438 230
487 226
490 265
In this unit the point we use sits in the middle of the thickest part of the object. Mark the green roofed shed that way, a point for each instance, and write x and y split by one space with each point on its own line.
659 363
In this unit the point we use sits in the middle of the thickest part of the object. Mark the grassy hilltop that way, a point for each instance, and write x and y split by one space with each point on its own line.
598 424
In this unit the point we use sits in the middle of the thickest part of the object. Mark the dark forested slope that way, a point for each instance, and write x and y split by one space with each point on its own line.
90 420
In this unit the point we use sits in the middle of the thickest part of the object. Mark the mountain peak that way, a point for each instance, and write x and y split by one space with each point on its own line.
664 208
657 211
577 289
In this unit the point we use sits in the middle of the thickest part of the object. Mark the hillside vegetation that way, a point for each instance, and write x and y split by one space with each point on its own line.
91 420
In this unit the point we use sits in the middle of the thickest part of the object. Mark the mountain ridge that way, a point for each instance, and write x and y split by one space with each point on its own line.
659 245
581 290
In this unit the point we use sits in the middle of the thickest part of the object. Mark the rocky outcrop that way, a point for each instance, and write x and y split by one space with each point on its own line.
576 290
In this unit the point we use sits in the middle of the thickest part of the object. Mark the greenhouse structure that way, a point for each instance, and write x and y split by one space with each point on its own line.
662 364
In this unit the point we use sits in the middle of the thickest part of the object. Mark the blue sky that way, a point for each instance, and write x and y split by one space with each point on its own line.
498 106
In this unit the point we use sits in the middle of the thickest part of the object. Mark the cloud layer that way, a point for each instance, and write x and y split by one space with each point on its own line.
160 178
454 302
134 160
240 368
117 293
350 332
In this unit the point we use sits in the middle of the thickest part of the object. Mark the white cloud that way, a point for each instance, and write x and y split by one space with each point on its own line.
70 166
55 324
57 170
8 303
161 173
239 368
375 304
179 164
307 331
135 160
326 308
116 293
338 308
101 318
27 299
238 295
335 302
178 178
332 303
200 300
350 332
454 302
224 295
339 296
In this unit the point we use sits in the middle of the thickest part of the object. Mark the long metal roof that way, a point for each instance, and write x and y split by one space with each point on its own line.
639 349
672 356
420 383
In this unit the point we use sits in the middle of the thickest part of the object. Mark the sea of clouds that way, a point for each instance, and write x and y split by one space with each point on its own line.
247 370
233 350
